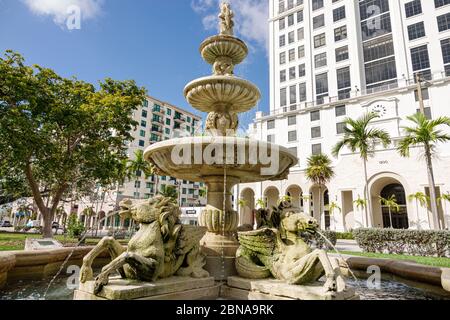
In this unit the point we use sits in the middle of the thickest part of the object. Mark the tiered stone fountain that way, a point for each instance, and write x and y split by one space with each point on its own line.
220 159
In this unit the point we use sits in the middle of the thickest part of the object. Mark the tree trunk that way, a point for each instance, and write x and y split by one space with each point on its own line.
320 205
432 186
390 219
368 207
418 215
47 231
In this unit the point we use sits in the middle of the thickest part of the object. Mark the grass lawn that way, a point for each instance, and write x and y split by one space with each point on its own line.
12 241
429 261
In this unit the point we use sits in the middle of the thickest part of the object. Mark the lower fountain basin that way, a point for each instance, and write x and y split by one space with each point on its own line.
200 158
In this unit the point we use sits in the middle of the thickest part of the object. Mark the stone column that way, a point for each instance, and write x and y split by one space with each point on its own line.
220 243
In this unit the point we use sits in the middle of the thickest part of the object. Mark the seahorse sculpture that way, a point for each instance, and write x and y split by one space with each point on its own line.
277 249
162 247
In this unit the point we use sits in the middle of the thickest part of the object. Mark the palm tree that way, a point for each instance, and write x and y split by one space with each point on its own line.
421 198
261 203
332 208
360 203
203 192
360 137
445 198
169 192
137 166
319 172
392 205
426 133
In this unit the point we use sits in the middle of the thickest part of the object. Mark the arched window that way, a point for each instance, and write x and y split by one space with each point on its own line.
399 219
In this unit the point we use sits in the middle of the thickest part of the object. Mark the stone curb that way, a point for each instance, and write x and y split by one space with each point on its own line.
408 270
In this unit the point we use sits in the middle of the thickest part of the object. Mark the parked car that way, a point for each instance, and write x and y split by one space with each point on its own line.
6 224
55 225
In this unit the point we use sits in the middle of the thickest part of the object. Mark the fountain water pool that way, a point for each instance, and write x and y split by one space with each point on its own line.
389 290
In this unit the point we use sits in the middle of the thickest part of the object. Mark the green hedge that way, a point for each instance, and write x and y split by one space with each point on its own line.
412 242
345 236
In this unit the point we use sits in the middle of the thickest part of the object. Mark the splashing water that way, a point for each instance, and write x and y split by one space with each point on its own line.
340 255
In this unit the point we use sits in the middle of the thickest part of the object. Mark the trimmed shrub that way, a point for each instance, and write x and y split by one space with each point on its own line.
426 243
345 236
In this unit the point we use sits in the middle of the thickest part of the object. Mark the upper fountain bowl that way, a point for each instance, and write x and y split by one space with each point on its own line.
223 46
222 94
200 158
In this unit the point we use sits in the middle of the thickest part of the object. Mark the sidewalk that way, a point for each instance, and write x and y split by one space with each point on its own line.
348 245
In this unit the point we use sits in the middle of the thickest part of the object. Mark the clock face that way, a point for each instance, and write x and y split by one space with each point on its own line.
380 110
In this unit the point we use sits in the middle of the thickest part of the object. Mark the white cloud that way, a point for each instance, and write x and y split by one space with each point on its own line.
58 9
251 18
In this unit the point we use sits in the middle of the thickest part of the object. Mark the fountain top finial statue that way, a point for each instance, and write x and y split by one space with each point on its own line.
226 19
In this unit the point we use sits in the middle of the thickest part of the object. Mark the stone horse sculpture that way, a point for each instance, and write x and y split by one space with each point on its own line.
277 249
162 247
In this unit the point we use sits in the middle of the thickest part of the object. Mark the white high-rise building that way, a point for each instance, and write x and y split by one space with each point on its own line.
332 59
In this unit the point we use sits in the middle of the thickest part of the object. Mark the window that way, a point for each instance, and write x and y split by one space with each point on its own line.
441 3
270 124
169 112
340 127
339 14
344 83
315 116
302 92
445 46
413 8
317 4
292 136
340 111
419 58
416 31
316 132
319 40
301 70
281 24
443 22
143 123
282 57
316 149
137 184
428 114
293 94
381 70
300 34
425 94
342 54
377 49
271 138
321 85
291 37
300 16
290 20
167 131
319 21
283 97
340 33
291 55
144 113
320 60
383 26
292 120
282 41
141 143
301 52
282 75
292 73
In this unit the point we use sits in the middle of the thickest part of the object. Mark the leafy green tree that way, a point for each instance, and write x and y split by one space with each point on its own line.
421 198
360 137
261 204
59 135
426 133
320 172
392 205
75 227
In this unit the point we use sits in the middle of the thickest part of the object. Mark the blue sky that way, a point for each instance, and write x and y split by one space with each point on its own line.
154 42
